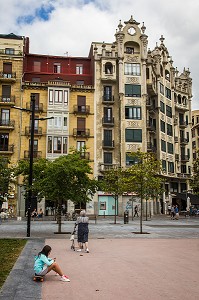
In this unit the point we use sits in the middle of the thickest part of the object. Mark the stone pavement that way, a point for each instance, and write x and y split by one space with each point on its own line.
162 264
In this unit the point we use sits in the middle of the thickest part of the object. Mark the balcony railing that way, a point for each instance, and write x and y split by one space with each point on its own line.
150 126
7 149
38 107
4 76
81 132
108 121
108 99
108 144
177 157
151 147
36 154
37 131
11 52
85 155
7 99
182 124
81 109
105 167
183 141
9 124
184 157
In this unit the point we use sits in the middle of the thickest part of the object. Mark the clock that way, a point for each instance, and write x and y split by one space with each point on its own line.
131 30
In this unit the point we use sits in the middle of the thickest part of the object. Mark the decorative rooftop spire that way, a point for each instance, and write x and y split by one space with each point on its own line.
120 26
143 28
162 39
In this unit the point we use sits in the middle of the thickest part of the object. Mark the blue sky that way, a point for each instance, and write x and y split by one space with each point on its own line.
59 26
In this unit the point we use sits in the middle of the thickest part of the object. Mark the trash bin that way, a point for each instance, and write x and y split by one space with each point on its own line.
126 217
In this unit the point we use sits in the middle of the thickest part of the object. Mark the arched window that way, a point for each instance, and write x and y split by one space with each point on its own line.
167 75
108 68
179 99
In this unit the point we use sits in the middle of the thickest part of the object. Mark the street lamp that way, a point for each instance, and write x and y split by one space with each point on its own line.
30 179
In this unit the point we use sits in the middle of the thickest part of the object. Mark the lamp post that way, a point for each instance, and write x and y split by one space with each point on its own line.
30 178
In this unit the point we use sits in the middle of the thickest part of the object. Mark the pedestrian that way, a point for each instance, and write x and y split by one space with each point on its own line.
40 214
136 211
169 209
43 264
172 212
176 212
82 233
34 214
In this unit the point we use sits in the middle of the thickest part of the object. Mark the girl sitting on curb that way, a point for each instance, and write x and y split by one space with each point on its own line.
44 264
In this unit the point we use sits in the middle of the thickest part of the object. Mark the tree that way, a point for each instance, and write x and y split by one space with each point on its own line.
113 183
5 176
143 177
195 178
67 178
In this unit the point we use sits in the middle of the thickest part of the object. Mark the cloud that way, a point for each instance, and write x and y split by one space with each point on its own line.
59 26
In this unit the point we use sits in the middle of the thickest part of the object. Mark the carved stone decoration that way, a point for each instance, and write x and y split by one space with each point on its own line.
132 80
170 139
170 157
162 117
132 59
162 136
133 147
133 101
168 102
164 156
133 124
169 121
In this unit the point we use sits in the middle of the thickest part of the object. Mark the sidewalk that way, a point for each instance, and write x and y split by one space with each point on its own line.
121 265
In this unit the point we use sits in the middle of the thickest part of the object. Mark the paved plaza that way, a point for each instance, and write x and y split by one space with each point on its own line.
122 264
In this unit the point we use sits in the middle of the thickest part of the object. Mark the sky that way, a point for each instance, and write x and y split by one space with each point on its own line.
68 27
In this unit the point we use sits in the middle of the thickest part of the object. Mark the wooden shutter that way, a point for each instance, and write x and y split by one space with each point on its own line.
81 123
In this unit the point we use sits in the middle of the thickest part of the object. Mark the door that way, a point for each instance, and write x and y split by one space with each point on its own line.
5 117
81 103
81 124
108 138
4 138
6 93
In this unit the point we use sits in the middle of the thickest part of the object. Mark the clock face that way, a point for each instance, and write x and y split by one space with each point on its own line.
131 30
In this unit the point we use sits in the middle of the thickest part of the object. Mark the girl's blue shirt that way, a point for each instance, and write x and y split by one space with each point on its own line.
41 261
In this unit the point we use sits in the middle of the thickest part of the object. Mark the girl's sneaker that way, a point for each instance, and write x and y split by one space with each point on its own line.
87 250
65 278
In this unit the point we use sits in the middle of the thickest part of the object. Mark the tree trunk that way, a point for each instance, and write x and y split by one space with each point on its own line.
59 215
115 217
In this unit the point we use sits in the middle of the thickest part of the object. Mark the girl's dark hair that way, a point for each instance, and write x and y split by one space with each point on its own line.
46 250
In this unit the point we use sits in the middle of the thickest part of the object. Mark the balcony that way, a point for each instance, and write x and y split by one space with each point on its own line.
184 158
108 99
177 157
7 77
108 144
38 107
11 52
176 139
108 121
183 141
7 100
182 124
84 133
85 155
7 124
81 109
37 131
36 154
181 106
151 148
6 149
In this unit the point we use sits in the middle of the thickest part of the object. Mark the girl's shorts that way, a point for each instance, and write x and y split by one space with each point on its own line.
44 271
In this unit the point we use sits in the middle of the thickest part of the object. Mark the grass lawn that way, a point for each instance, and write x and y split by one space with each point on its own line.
10 250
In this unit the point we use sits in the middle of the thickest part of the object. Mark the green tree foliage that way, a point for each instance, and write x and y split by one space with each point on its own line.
5 176
195 178
143 177
113 182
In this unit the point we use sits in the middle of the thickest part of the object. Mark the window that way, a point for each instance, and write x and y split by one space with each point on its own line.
81 103
80 82
10 51
108 68
169 111
174 187
129 50
58 122
108 117
133 113
102 205
164 165
57 144
170 148
81 145
5 116
58 96
57 68
36 66
133 135
79 69
162 107
6 93
167 75
183 169
107 93
132 90
168 93
65 122
170 167
108 138
132 69
50 144
66 97
7 70
169 130
163 145
162 126
108 159
4 138
161 89
130 160
65 143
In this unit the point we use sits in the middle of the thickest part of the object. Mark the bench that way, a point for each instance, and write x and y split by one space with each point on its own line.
92 217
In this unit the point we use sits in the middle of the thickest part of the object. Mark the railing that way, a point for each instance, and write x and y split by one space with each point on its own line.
108 144
7 123
150 126
9 51
151 147
183 141
184 157
108 99
81 132
37 131
182 124
7 99
38 107
105 167
85 155
176 156
108 121
36 154
5 75
7 148
82 109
